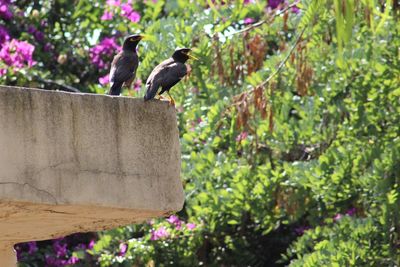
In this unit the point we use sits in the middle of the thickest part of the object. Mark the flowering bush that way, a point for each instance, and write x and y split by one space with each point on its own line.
59 252
288 125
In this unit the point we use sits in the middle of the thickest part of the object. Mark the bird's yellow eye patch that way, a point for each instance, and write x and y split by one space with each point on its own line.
131 39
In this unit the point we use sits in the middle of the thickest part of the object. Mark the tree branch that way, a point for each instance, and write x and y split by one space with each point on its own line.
57 86
283 62
261 22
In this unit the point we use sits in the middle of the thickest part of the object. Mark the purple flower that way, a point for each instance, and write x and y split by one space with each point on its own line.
248 20
60 248
242 136
123 247
52 261
31 29
5 12
129 13
48 47
72 260
91 244
4 35
159 233
246 2
190 226
104 80
137 84
17 54
39 36
32 247
351 212
300 230
173 219
107 15
101 54
295 10
3 72
274 3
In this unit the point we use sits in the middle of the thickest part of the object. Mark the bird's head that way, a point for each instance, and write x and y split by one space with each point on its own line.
182 54
132 41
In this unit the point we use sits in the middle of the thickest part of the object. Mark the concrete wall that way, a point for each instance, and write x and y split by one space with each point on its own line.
81 162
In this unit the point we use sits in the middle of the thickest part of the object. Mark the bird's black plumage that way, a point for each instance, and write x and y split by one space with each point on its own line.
124 65
167 73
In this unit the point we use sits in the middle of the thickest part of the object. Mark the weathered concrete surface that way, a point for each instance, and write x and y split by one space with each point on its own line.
80 162
8 257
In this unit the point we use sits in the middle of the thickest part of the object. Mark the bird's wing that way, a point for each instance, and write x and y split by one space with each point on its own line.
166 75
171 75
123 67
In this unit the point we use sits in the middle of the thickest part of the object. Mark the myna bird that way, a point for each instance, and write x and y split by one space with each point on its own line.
167 74
124 65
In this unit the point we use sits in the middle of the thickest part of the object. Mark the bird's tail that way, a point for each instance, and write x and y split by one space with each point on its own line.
115 88
151 93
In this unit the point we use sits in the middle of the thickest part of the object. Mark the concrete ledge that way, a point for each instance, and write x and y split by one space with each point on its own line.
82 162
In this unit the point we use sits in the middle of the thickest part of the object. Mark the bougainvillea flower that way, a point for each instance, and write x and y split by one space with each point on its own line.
107 15
17 54
101 54
159 233
248 20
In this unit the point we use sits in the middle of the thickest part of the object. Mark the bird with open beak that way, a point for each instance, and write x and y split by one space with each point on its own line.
167 74
124 65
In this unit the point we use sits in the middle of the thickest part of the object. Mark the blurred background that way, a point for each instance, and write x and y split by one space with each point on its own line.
289 125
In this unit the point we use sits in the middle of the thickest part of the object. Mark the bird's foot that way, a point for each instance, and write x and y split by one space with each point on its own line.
171 99
160 97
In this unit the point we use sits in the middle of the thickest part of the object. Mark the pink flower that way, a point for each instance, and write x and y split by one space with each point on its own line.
5 12
248 20
337 217
159 233
114 2
91 244
173 219
126 9
129 13
190 226
107 15
242 136
123 248
3 72
137 84
17 54
104 80
246 2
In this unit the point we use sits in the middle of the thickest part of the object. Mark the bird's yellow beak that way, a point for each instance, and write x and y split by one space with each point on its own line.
191 56
146 37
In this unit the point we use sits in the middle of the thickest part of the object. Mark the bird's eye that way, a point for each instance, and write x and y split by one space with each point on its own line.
131 39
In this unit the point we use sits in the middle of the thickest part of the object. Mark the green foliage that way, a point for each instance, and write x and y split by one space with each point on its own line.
264 161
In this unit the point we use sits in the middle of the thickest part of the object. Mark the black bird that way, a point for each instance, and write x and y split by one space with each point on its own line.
167 74
124 65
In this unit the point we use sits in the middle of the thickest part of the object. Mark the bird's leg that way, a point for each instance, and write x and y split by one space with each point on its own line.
171 99
128 84
160 97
